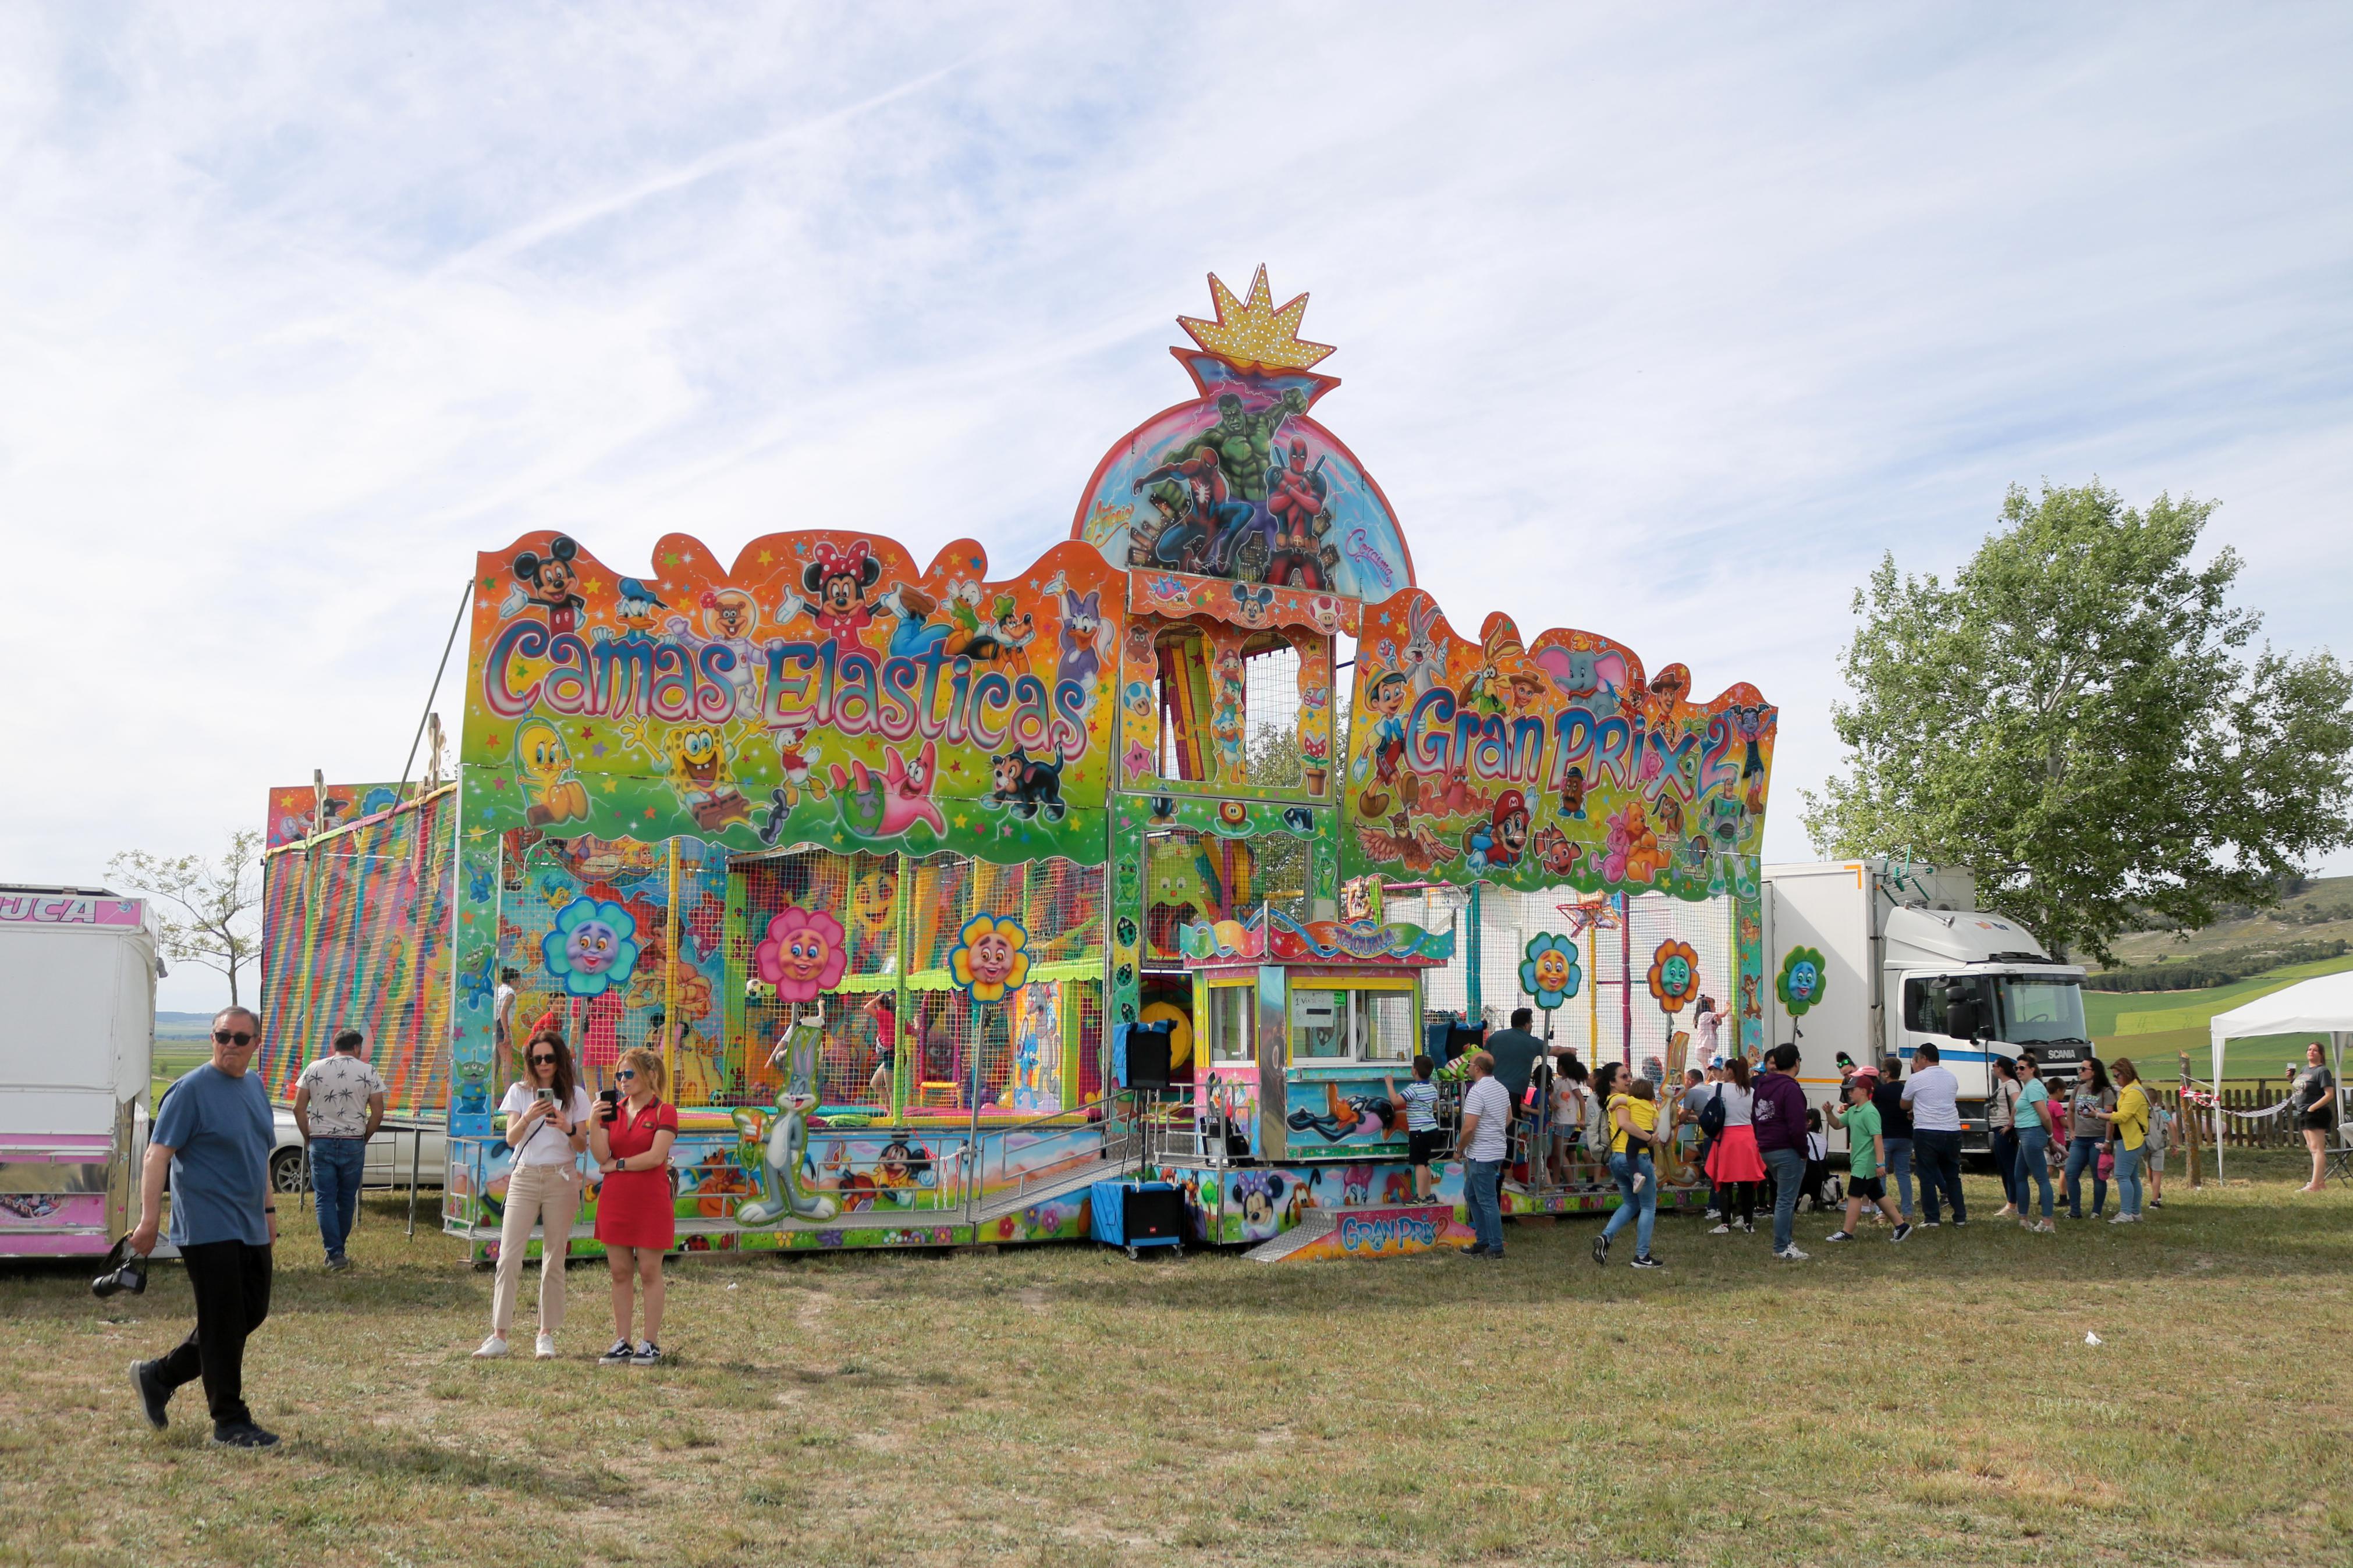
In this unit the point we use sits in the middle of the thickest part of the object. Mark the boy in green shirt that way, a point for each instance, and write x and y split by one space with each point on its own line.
1866 1156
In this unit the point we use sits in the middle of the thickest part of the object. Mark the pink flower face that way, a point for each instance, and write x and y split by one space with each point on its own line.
801 954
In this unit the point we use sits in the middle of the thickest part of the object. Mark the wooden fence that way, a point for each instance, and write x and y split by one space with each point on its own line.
2267 1133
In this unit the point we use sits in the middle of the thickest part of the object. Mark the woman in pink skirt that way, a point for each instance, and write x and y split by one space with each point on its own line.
1733 1165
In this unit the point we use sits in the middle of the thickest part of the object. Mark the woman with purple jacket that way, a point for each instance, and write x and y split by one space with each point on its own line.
1779 1115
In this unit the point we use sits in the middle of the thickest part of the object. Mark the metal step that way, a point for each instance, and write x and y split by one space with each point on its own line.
1056 1186
1314 1224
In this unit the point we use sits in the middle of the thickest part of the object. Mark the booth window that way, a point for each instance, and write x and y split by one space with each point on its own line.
1384 1025
1230 1022
1319 1026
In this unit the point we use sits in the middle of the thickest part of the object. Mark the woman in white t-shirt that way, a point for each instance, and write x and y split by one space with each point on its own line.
547 1127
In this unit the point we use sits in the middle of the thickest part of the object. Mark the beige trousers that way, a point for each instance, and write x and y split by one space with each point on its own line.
546 1195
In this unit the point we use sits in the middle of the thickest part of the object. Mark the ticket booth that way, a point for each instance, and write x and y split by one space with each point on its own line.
1309 1029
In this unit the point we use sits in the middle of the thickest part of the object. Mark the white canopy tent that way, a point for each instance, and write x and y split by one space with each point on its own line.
2320 1007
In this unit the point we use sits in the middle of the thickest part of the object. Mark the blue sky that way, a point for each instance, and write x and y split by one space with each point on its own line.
1663 323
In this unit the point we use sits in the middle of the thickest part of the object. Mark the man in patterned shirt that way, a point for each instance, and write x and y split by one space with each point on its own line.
338 1104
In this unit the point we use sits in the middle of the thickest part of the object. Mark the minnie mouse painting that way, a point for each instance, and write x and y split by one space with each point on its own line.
839 577
550 581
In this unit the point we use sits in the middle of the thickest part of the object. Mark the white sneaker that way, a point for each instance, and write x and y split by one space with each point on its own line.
547 1347
1641 1180
493 1348
2120 1219
1720 1230
1791 1255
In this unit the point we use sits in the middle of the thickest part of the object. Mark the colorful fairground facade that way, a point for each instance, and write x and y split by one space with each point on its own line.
882 853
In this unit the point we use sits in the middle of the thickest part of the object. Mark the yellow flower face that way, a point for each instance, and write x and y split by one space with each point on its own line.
988 959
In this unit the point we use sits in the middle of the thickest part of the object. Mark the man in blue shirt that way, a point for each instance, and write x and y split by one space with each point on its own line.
213 1134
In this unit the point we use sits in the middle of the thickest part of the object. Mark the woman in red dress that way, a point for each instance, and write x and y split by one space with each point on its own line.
637 1215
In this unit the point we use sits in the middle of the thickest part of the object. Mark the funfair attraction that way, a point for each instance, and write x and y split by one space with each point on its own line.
891 859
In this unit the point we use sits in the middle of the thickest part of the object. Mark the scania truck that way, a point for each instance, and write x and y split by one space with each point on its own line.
1870 958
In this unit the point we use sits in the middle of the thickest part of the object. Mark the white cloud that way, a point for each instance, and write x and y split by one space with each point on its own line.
1665 326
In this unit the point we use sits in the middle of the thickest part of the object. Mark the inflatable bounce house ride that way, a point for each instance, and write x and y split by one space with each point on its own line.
887 857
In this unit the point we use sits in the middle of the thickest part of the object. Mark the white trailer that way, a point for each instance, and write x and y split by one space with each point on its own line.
1905 956
78 968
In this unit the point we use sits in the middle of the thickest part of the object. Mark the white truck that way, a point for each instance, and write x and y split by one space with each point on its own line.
78 967
1880 956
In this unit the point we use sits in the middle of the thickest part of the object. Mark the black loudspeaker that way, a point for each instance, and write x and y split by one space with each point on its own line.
1147 1055
1153 1212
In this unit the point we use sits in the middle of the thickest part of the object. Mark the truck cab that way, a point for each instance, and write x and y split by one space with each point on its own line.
1904 957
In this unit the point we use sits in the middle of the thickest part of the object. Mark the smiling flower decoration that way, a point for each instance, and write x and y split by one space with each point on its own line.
594 946
1550 974
1674 975
989 957
1802 981
802 953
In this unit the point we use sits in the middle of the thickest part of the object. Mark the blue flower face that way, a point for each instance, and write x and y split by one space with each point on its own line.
1550 975
592 946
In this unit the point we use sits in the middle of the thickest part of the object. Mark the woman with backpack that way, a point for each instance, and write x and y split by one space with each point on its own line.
2087 1117
1733 1165
2129 1124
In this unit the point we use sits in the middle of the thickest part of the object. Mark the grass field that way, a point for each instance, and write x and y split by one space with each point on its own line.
1934 1402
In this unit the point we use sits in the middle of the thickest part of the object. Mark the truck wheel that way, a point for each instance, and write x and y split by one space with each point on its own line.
286 1171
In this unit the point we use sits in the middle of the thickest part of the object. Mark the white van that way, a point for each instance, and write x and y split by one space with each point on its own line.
78 966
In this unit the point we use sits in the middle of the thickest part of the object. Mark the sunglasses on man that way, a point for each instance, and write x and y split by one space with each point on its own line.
231 1037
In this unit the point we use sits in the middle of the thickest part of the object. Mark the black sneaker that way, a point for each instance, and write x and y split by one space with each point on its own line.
1932 1225
243 1435
622 1352
1900 1231
649 1354
1601 1249
1646 1261
1476 1250
153 1394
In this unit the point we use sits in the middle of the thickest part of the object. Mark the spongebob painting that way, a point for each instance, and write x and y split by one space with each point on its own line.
696 756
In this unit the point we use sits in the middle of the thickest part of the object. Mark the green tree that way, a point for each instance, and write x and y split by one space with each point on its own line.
2076 720
207 902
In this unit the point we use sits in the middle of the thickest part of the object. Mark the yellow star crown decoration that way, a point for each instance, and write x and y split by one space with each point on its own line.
1254 334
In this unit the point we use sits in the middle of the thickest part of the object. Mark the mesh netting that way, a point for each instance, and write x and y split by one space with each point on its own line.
1270 713
1613 1016
900 920
551 889
847 906
370 950
1193 875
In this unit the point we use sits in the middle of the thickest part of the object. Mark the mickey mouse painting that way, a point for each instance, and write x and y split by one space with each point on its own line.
552 583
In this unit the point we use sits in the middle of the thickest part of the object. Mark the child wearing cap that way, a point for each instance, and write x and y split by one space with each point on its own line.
1866 1157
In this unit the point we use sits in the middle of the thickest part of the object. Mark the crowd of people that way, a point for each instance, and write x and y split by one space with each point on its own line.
1759 1144
1751 1133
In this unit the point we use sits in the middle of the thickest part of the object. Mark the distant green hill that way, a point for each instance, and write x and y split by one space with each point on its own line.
2322 911
2153 1027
